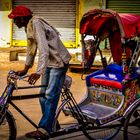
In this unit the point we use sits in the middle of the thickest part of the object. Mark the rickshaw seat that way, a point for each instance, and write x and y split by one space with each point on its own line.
102 81
111 76
104 93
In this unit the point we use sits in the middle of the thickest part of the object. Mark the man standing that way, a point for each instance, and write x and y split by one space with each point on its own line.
52 63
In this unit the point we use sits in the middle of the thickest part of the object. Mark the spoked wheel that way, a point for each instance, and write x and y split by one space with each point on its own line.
8 128
132 125
63 121
103 133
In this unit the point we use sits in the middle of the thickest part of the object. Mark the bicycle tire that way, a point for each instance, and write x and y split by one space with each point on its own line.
102 134
87 133
132 124
62 121
8 129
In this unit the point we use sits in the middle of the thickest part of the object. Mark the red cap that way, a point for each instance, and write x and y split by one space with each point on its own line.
20 11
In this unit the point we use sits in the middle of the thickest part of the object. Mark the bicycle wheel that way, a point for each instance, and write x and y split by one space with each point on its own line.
102 133
132 125
62 121
8 127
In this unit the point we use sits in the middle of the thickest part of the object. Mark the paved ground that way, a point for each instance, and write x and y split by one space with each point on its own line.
32 107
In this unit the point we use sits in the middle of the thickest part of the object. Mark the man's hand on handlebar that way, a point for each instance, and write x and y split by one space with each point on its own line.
32 78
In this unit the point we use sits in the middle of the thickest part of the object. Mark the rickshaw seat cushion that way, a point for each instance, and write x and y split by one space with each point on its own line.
111 76
104 82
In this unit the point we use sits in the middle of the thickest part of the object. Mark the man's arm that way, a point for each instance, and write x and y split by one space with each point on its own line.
42 45
24 71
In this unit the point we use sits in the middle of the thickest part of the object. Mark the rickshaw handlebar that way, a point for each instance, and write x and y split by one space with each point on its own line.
13 76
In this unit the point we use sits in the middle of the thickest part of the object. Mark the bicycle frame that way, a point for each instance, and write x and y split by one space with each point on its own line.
67 95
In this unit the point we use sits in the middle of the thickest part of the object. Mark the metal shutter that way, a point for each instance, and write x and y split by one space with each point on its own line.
124 6
59 13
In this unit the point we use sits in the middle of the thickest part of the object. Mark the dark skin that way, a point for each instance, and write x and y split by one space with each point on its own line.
22 22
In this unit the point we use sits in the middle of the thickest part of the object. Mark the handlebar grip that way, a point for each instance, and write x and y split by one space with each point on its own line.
11 72
23 77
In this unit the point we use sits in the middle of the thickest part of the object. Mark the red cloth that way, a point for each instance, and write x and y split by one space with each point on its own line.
20 11
108 23
104 82
116 48
131 24
93 21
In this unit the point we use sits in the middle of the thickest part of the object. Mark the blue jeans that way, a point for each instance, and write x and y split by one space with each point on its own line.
54 79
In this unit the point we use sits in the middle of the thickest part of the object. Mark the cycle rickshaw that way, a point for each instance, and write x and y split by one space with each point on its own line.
112 100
